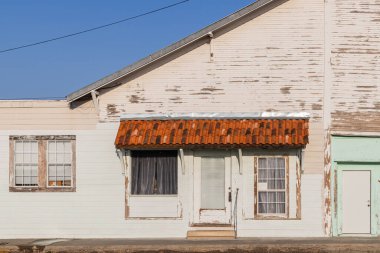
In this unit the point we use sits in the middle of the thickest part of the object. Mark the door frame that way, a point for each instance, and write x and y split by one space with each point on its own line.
198 154
374 169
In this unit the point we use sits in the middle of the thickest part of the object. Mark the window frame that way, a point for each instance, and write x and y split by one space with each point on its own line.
42 142
271 216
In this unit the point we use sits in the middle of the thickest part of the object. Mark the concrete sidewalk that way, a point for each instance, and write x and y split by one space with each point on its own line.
261 245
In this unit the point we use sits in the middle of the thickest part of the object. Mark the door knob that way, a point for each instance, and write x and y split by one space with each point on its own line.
368 203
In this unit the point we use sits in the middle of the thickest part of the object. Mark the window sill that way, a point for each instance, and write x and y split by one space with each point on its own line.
268 217
40 189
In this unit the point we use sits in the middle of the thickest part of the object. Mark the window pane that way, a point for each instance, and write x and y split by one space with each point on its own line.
35 147
262 208
27 171
52 170
280 184
67 181
280 196
212 183
18 181
52 158
60 158
262 176
271 208
27 158
281 208
51 146
67 147
67 171
19 170
34 169
271 163
19 158
280 163
272 197
263 197
19 147
27 180
68 158
34 180
271 184
34 158
60 147
27 147
60 170
262 163
271 173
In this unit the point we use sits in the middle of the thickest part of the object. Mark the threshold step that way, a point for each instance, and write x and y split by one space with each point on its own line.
210 234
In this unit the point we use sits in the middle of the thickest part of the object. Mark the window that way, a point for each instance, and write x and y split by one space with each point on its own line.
59 163
42 163
271 186
154 172
26 163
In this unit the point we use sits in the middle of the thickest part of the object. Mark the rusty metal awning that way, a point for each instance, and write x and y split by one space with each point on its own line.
218 133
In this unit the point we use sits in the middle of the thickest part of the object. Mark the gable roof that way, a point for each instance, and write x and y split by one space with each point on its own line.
104 82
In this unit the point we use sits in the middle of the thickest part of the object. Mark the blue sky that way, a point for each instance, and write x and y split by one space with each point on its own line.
58 68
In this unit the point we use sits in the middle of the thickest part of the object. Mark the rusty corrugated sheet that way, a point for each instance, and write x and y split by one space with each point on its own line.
212 133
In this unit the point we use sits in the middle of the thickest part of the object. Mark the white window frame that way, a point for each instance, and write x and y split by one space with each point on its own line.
56 164
23 164
257 190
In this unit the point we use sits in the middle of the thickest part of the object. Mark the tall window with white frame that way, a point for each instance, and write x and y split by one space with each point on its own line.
26 163
59 163
271 186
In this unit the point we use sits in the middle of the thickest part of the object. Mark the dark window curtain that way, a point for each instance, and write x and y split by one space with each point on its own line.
154 172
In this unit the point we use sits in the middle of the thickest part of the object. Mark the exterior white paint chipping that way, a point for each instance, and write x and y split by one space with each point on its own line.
272 63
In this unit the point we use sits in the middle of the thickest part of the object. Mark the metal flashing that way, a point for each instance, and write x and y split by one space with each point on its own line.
215 115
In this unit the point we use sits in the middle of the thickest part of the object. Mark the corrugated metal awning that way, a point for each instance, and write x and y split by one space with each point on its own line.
223 133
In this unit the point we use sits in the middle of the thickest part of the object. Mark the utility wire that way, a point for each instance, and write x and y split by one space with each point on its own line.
94 28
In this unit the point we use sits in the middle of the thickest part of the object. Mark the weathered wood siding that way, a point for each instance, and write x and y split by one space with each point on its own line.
271 63
355 64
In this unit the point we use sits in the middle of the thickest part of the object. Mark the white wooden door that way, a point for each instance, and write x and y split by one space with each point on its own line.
356 202
212 186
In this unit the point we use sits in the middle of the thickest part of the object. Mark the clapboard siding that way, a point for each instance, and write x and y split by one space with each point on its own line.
355 64
46 115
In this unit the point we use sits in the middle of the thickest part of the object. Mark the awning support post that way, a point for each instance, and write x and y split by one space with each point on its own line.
123 162
240 159
182 158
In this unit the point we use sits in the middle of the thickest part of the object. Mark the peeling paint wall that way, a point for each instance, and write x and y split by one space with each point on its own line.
274 62
355 63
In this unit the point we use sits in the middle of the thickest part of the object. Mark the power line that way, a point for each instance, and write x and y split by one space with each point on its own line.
94 28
